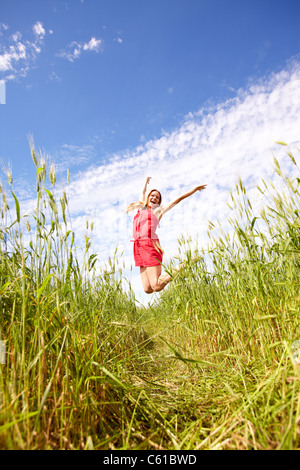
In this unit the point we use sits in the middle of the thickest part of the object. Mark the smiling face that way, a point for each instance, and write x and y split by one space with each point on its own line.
154 199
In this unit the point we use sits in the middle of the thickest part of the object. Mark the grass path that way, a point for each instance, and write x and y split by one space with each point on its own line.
232 405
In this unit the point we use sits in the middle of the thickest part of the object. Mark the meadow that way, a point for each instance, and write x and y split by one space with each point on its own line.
212 363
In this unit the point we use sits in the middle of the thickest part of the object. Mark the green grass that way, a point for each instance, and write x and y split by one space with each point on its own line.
209 365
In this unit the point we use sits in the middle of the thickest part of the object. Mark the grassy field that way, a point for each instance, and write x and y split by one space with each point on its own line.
213 363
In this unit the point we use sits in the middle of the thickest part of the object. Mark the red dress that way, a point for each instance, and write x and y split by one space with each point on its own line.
146 248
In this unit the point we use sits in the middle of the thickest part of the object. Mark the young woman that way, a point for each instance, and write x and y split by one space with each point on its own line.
147 252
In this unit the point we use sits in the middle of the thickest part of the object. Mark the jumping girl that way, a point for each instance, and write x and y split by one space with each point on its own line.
147 252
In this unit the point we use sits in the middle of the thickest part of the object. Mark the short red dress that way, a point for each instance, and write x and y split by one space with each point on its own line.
146 248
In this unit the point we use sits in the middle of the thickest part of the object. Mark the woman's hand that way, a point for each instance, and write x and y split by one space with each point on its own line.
200 188
148 179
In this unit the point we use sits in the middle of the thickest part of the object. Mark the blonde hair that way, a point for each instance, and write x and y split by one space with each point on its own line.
141 204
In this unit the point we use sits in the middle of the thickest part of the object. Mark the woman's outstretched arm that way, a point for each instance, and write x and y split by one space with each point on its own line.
163 210
144 190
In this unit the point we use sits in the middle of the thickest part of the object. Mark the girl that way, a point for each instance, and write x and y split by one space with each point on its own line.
147 252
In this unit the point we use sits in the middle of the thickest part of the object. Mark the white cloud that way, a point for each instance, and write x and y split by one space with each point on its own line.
74 50
5 62
93 45
54 77
14 53
39 30
71 155
17 36
17 54
3 27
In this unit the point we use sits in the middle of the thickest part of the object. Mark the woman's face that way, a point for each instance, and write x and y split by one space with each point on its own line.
153 199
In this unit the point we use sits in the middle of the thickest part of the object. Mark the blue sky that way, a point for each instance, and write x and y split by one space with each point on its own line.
118 90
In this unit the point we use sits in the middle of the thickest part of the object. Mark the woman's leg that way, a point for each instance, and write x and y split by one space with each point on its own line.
152 279
145 280
157 283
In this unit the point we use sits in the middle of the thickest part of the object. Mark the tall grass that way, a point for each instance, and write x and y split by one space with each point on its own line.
58 323
209 365
235 324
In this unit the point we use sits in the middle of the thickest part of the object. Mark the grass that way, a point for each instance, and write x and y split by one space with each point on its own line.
209 365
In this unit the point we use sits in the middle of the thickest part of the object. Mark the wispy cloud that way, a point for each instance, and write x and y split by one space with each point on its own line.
70 156
39 30
93 45
74 50
17 55
3 27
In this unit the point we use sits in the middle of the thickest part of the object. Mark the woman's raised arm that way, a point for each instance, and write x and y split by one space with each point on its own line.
144 190
162 210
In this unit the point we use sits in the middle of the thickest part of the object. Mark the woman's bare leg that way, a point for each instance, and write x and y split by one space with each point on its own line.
157 281
145 280
153 281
